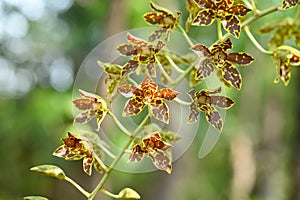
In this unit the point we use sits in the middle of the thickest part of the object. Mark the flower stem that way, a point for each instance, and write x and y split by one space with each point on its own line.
119 124
254 41
107 193
182 102
78 187
163 71
259 15
117 159
174 65
219 30
184 74
187 38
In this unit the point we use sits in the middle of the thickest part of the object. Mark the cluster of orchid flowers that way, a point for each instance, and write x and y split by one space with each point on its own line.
145 56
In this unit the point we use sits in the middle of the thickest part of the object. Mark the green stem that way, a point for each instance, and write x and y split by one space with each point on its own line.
187 38
78 187
297 15
254 41
107 193
132 81
115 162
184 74
174 65
219 29
182 102
106 151
261 14
255 11
119 124
164 72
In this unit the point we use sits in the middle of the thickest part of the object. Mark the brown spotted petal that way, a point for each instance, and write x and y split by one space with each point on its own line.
148 86
153 18
239 10
127 90
231 75
224 46
84 104
133 106
127 50
88 163
286 4
232 25
160 110
240 58
166 93
155 142
161 161
61 151
83 117
204 69
285 72
157 33
151 69
194 113
71 141
205 4
129 67
222 101
204 17
214 118
137 154
201 50
136 40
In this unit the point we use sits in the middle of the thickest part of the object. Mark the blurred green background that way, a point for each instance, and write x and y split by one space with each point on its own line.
43 43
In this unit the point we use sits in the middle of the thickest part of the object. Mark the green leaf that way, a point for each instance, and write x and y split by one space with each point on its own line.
128 193
34 198
50 170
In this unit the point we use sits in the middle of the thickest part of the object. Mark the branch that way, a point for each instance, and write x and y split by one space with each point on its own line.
119 124
254 41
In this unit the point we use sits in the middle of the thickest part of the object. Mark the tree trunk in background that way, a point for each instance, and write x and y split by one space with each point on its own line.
294 167
118 17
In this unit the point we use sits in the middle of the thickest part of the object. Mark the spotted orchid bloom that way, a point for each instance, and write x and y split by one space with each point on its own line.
92 105
143 54
223 10
74 149
155 148
217 59
147 94
167 21
204 101
285 58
